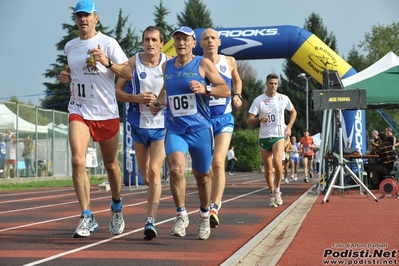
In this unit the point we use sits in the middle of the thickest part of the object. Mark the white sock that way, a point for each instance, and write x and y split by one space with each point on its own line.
183 213
204 214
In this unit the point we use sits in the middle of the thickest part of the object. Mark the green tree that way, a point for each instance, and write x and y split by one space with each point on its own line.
294 86
381 40
160 14
356 60
126 36
195 15
376 44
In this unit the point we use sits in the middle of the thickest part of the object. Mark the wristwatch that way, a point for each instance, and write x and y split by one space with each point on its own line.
110 63
239 95
208 89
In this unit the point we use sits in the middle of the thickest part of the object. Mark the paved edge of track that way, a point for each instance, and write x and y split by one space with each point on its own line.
267 247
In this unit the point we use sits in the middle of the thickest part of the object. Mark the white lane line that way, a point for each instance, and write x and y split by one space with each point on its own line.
74 216
65 203
36 198
35 192
43 197
121 235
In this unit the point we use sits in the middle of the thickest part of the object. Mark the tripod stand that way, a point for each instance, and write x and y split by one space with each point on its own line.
341 167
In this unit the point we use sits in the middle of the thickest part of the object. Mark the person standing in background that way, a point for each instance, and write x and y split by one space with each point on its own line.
11 156
7 136
2 155
387 158
27 153
148 131
294 158
286 160
374 140
231 159
307 145
391 138
94 59
222 119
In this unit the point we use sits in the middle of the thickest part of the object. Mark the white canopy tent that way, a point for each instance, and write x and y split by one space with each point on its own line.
9 120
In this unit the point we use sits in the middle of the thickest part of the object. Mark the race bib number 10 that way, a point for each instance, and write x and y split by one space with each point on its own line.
183 104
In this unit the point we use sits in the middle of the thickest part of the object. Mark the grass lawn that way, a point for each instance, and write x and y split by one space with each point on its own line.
48 183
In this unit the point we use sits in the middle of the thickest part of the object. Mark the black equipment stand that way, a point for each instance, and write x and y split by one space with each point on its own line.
341 167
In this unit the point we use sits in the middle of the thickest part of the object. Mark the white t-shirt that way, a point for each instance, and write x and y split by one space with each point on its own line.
11 150
230 154
92 84
273 108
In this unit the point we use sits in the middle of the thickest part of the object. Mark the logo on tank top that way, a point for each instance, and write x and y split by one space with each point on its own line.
223 68
143 75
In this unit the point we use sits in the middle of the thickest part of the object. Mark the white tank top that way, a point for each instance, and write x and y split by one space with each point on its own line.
146 79
295 152
218 105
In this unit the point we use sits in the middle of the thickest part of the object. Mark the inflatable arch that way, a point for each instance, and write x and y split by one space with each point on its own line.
279 42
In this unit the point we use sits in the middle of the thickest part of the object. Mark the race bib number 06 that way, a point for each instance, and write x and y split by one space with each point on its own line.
183 104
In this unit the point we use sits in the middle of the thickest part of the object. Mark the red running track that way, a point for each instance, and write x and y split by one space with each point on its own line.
36 226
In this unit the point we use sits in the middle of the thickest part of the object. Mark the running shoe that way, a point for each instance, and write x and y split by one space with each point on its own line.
149 229
306 179
286 180
213 217
204 228
117 224
296 177
310 174
179 225
278 200
272 201
86 226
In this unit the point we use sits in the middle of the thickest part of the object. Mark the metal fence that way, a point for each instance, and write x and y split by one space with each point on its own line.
49 132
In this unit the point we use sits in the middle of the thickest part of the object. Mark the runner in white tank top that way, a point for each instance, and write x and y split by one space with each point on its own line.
147 130
146 80
222 119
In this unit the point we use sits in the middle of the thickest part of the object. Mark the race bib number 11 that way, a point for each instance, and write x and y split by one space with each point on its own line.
83 92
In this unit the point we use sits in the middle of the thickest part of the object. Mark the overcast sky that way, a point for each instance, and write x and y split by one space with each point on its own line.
30 29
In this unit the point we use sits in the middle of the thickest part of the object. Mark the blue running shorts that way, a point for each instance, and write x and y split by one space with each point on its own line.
147 136
223 124
200 145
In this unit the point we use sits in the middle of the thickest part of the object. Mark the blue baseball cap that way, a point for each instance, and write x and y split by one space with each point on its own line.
186 30
86 6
